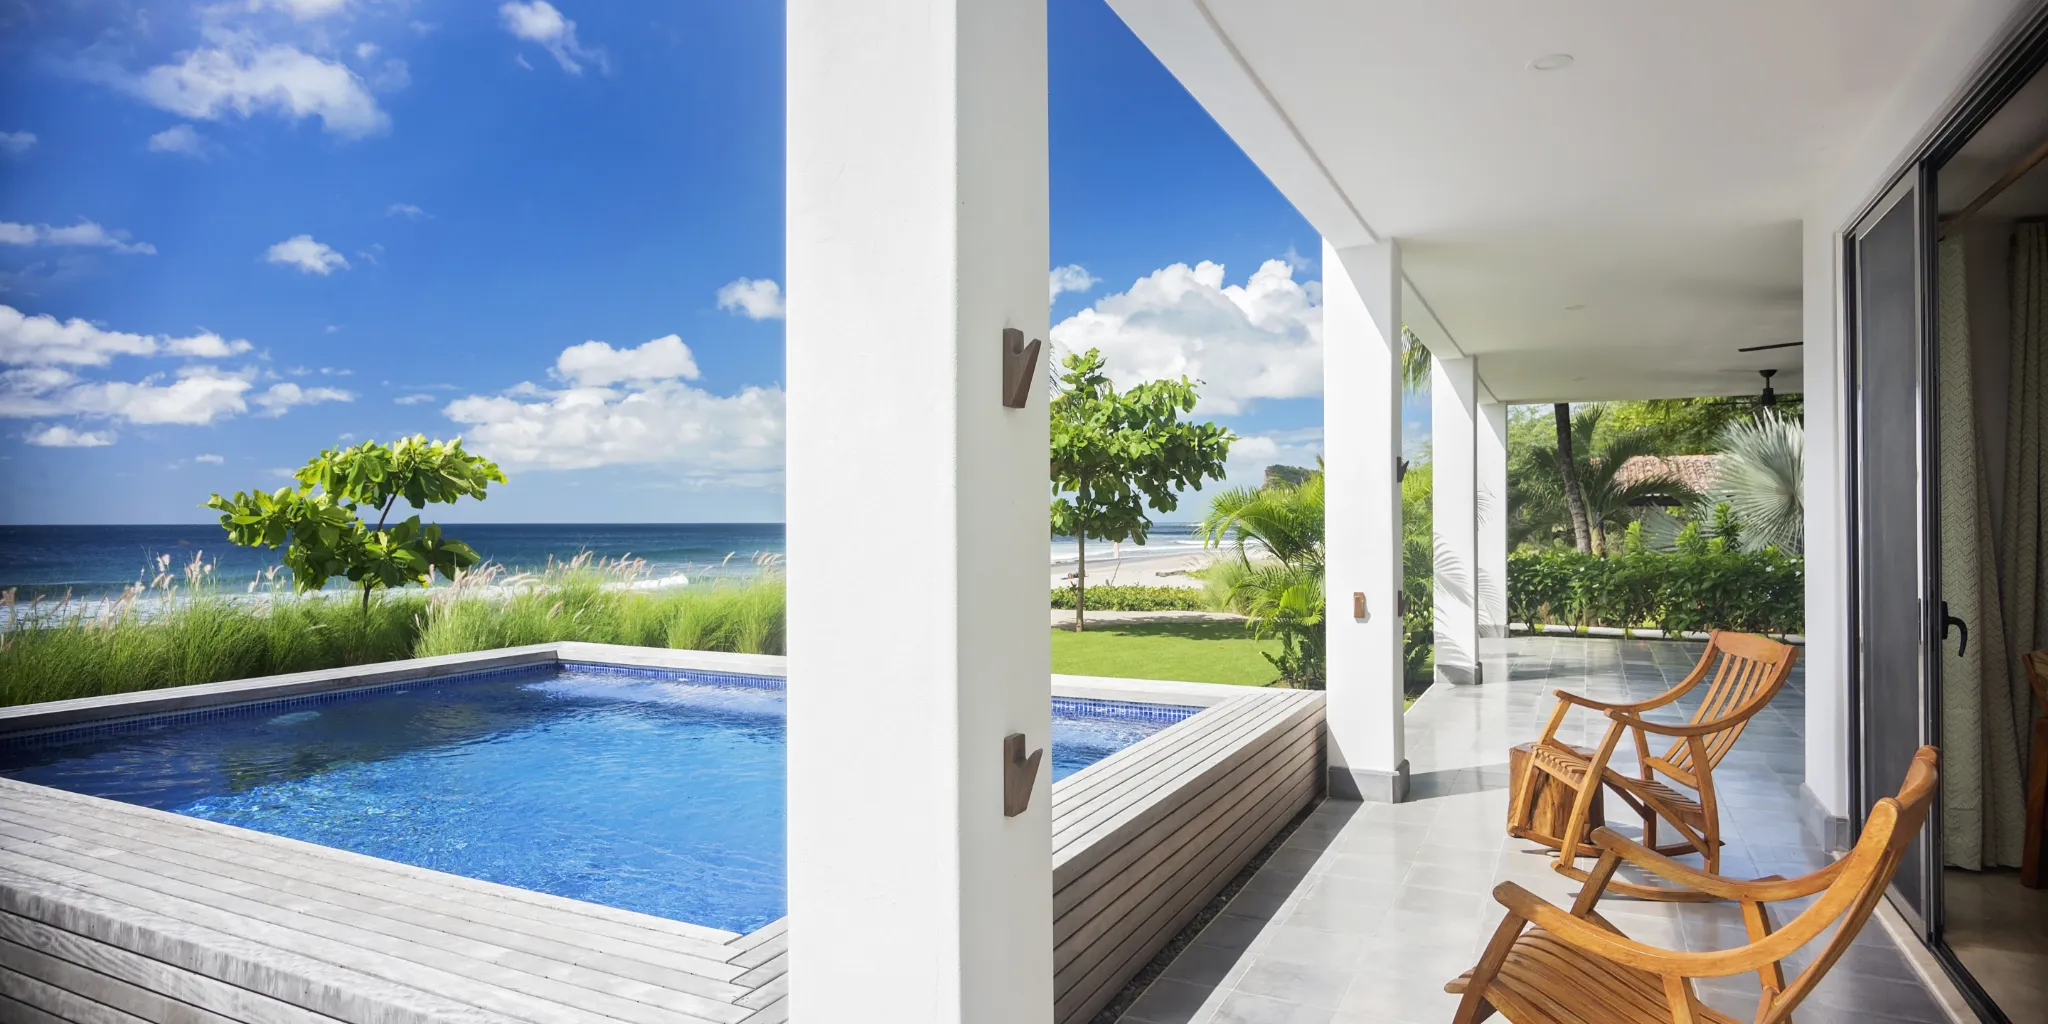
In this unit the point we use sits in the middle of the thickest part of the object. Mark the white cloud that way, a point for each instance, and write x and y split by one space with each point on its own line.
366 51
306 10
43 340
629 406
84 234
1071 278
413 399
406 210
60 436
1262 339
303 252
40 352
240 77
181 139
17 143
191 400
539 22
666 422
206 345
282 397
755 299
211 460
595 364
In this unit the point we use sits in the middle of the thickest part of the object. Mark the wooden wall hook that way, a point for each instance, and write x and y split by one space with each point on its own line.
1020 773
1020 366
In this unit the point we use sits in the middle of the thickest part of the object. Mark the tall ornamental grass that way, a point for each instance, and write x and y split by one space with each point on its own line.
183 628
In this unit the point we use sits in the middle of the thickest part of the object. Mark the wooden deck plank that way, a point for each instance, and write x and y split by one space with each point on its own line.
556 910
1097 986
1138 791
1166 845
1117 848
456 917
233 957
472 972
64 1005
99 988
184 986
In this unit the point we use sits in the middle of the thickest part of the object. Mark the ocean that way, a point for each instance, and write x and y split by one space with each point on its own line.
92 562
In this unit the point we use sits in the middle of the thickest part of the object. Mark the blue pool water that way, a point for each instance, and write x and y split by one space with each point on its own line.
658 792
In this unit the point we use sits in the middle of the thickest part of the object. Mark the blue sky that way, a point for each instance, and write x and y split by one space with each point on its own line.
234 233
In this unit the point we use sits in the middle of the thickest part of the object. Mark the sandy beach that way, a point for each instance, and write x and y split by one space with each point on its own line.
1137 568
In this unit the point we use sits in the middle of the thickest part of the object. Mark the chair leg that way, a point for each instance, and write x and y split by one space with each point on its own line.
1577 828
2032 874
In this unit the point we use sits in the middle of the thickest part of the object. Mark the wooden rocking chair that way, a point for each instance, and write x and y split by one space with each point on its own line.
1747 672
1546 966
2032 874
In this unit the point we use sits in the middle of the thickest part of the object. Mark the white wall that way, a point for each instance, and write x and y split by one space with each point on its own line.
917 231
1924 94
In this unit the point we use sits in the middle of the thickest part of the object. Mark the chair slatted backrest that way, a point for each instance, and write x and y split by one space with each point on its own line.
1751 672
1866 873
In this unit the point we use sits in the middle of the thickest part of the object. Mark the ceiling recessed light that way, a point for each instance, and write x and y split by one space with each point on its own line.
1552 62
1575 307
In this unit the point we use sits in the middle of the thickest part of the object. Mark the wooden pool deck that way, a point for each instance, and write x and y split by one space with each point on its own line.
134 909
115 913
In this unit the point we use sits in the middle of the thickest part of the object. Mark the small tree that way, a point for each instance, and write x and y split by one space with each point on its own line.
1115 454
319 522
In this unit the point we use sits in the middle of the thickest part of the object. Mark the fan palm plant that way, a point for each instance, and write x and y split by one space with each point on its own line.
1762 469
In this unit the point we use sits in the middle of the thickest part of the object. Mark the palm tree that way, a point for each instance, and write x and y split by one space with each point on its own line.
1568 478
1604 499
1281 591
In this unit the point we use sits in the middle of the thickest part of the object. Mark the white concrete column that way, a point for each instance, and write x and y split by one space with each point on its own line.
1825 793
1491 576
1454 500
1362 516
917 231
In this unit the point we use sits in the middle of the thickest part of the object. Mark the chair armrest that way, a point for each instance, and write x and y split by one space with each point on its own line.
1600 705
1674 730
1593 940
1759 890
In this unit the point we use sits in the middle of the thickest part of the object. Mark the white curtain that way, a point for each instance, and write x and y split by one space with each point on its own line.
2026 485
1982 781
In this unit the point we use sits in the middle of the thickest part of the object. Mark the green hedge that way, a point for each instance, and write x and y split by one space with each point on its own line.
1114 598
1756 592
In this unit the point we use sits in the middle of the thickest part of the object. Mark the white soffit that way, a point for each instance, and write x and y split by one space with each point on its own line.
1657 183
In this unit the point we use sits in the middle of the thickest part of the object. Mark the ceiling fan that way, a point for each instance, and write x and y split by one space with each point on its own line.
1767 348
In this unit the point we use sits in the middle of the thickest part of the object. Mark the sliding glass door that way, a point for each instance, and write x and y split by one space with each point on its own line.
1888 255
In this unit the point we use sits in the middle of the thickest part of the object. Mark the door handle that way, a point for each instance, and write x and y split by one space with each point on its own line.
1948 620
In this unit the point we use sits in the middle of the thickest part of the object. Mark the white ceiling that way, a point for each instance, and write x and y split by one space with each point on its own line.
1658 182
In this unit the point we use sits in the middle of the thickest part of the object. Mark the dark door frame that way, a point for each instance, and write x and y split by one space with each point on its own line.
2013 62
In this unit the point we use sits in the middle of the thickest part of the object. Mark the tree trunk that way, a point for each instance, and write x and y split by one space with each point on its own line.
1081 580
1081 566
1568 469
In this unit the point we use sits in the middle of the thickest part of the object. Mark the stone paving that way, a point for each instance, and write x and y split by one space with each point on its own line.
1369 909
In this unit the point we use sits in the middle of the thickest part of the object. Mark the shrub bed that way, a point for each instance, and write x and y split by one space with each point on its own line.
1119 598
1751 591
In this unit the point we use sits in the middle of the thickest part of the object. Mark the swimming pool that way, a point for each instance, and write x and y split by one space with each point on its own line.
657 791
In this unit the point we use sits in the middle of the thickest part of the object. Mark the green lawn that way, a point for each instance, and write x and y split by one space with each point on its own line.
1201 652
